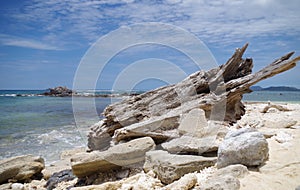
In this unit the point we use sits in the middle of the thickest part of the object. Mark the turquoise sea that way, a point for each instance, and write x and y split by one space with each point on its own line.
40 125
45 126
273 96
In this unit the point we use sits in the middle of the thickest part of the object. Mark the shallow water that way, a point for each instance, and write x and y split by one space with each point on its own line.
273 96
44 126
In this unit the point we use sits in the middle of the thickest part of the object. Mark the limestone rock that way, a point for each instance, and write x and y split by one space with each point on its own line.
100 136
282 169
188 144
267 132
126 154
139 181
20 168
217 129
222 179
244 146
66 185
193 123
62 164
170 167
237 171
55 167
17 186
186 182
274 122
283 137
226 182
37 184
5 186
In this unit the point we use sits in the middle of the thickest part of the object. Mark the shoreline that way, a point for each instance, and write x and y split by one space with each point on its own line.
76 95
282 138
255 96
125 96
266 102
86 129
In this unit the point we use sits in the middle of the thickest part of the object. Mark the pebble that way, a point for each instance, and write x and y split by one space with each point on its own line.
295 127
17 186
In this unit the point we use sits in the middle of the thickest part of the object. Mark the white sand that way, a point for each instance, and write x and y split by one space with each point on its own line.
282 170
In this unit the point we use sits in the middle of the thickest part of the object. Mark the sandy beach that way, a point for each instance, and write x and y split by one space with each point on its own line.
282 170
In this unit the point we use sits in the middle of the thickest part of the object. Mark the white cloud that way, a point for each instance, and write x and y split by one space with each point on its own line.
222 21
8 40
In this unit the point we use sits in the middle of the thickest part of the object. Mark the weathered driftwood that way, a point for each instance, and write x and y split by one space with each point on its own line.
270 105
218 92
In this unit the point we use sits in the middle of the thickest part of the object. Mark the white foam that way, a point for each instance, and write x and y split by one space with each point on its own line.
51 137
9 95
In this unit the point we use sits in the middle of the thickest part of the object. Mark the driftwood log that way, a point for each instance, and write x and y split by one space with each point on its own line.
278 107
156 113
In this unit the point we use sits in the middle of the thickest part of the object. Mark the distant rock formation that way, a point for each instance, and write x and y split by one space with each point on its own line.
60 91
274 88
256 88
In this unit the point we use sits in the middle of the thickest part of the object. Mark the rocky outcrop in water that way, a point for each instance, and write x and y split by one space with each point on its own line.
60 91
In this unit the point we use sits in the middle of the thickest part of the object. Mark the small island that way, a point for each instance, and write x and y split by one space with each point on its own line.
60 91
275 88
63 91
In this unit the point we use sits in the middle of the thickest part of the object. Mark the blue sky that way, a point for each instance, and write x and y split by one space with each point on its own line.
42 42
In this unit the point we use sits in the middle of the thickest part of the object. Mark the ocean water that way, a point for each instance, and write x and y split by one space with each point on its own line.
273 96
45 126
41 125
